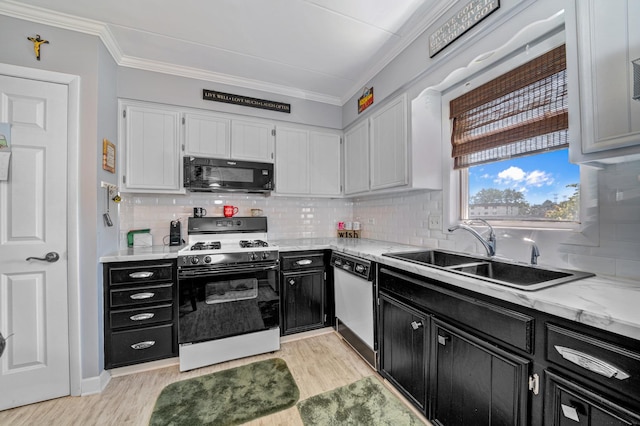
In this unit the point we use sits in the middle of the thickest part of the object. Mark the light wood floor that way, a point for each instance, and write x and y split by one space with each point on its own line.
318 364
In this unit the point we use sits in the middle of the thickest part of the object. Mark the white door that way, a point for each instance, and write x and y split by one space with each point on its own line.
33 222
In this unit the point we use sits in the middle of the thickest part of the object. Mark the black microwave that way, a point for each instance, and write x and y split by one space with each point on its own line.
218 175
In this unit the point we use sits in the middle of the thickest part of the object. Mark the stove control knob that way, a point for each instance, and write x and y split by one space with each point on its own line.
265 255
207 259
253 256
195 260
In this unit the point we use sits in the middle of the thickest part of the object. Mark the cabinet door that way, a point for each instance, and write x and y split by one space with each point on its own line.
475 383
324 164
152 148
207 135
356 159
304 294
252 141
292 161
389 146
569 404
607 42
403 349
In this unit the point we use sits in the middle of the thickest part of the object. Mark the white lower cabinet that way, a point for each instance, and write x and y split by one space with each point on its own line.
307 162
150 156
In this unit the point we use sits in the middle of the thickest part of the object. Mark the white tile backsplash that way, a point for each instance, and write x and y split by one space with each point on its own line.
404 218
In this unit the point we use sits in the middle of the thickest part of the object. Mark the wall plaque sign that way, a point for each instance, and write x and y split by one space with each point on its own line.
461 21
366 100
210 95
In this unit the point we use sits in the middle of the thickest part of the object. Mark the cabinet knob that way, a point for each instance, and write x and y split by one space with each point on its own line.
292 281
416 324
442 340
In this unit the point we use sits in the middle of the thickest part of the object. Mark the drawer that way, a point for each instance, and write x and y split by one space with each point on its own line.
141 316
293 262
141 273
134 346
603 362
138 295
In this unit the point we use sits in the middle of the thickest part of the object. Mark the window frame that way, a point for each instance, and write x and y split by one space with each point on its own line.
456 207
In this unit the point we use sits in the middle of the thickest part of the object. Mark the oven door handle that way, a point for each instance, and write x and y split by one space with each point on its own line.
199 272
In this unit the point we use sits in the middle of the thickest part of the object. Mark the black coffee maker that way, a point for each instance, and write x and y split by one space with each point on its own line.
175 238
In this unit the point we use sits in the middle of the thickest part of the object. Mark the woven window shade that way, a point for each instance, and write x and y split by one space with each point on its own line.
519 113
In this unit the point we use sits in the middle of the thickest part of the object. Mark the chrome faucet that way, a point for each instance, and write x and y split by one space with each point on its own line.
489 244
535 251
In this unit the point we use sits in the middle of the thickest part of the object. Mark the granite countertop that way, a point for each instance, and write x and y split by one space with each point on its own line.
607 303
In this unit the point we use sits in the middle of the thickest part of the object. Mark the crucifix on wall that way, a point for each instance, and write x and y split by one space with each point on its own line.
37 42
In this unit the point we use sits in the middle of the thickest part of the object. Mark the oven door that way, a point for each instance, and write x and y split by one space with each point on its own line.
227 303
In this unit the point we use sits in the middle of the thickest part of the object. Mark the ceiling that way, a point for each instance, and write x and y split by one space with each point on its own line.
322 50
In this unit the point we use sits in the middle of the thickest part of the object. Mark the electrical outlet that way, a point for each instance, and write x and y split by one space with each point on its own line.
435 222
371 221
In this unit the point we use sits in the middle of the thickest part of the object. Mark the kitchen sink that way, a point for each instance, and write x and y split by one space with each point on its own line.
511 274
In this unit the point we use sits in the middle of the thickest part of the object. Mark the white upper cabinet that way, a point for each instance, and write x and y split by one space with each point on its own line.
356 159
207 135
252 141
307 162
324 163
389 145
292 164
150 139
603 37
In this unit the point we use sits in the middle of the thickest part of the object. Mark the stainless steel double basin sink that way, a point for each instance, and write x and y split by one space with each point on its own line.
511 274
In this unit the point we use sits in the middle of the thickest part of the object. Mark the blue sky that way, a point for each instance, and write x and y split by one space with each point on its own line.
539 177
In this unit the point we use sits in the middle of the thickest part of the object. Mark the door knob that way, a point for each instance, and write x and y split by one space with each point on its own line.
50 257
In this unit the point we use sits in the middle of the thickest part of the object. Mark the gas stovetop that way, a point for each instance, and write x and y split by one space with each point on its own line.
226 241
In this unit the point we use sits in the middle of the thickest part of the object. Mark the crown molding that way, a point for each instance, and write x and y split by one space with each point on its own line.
200 74
425 23
101 30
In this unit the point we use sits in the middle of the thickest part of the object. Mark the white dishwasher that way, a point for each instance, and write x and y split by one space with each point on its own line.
355 304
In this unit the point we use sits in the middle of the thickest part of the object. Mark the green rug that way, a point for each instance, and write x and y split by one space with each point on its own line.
365 402
228 397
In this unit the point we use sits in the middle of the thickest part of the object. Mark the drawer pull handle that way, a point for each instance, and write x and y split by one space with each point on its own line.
139 296
303 262
141 274
141 317
143 345
591 363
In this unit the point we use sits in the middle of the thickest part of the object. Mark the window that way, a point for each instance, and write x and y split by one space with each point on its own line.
510 142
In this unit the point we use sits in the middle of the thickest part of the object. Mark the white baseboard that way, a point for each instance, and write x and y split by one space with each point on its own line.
94 385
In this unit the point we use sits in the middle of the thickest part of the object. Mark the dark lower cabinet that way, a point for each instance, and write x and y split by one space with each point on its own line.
303 294
475 383
304 291
404 349
570 404
139 312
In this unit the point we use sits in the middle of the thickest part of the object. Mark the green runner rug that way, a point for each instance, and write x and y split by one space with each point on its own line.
365 402
228 397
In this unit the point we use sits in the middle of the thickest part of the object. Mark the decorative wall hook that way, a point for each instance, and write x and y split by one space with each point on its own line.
37 42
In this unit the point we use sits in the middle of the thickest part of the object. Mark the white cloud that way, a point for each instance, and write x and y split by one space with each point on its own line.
515 176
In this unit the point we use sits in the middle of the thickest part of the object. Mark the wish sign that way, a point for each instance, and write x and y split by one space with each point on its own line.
366 100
